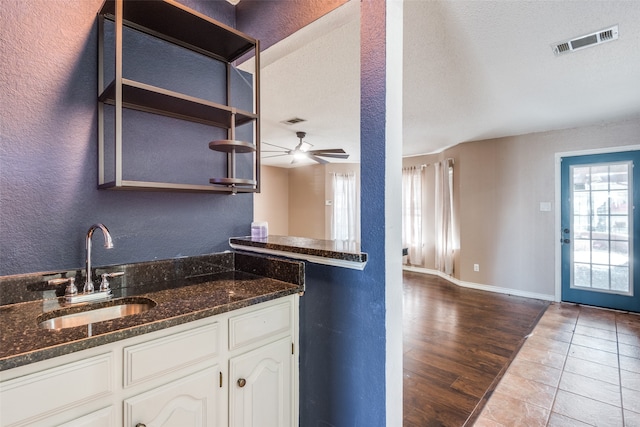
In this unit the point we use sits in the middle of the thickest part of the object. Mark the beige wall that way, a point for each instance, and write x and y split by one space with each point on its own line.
498 187
272 203
293 201
306 201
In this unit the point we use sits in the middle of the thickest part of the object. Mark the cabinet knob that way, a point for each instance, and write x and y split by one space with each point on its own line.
242 382
141 425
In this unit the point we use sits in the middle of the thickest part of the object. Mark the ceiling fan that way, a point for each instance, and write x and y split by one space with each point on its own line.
302 151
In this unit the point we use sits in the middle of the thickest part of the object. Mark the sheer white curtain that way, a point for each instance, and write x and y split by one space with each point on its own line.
444 216
412 214
344 224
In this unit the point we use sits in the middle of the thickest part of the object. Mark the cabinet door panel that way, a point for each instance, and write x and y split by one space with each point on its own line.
38 396
260 389
192 401
102 418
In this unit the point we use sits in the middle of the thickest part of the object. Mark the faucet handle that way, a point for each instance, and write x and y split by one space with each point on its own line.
71 288
104 285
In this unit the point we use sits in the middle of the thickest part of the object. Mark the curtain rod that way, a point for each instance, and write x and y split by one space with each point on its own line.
450 160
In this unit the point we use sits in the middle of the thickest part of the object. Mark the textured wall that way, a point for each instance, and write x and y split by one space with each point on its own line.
342 325
306 201
498 187
48 154
501 184
49 197
272 203
272 21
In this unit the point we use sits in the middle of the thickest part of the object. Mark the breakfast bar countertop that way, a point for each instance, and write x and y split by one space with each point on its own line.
179 300
339 253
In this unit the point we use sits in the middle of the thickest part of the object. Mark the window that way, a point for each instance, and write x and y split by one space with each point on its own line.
344 219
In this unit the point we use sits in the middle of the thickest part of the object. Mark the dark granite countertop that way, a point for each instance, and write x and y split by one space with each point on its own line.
178 301
331 252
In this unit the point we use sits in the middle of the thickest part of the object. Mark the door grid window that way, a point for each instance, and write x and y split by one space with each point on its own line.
601 219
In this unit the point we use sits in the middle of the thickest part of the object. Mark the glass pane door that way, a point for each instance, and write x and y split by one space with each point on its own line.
600 224
598 231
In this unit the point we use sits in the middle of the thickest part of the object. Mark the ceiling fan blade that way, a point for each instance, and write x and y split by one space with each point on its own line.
333 156
275 155
274 151
274 145
329 150
317 159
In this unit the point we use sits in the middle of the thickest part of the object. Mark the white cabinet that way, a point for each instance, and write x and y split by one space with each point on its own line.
33 398
186 375
192 401
261 387
189 401
262 366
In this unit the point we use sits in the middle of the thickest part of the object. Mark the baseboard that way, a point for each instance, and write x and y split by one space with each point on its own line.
479 286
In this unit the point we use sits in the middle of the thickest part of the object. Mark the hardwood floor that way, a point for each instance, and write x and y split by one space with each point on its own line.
457 344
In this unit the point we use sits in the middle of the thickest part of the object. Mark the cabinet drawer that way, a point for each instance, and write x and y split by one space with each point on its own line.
103 418
35 396
259 324
152 359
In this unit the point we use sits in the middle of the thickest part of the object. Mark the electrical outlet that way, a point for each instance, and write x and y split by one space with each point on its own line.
476 267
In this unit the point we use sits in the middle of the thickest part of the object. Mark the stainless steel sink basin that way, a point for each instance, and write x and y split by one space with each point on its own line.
93 313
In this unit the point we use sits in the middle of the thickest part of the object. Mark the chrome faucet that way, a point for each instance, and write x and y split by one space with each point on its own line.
108 243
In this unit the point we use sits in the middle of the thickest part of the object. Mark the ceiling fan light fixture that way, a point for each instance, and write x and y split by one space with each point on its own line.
302 151
304 146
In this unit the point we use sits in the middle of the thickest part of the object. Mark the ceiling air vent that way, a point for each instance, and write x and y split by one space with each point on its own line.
593 39
293 121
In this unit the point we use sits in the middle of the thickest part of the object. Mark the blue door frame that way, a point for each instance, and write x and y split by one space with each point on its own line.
593 237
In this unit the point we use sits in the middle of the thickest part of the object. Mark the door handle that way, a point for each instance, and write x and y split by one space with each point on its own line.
566 230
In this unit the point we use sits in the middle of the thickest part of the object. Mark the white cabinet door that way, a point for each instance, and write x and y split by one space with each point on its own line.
261 387
192 401
62 388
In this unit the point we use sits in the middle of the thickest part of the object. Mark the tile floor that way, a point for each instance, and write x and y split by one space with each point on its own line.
579 367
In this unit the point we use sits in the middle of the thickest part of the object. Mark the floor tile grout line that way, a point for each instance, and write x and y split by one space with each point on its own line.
582 315
566 356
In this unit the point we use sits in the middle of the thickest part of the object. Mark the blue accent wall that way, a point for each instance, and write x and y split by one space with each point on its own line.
48 194
48 154
342 324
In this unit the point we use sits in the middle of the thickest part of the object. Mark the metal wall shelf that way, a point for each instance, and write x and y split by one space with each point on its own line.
144 97
177 24
174 23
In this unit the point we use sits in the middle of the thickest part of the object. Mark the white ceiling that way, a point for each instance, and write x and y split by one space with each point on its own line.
472 70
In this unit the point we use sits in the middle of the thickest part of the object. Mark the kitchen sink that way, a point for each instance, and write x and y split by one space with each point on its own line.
93 313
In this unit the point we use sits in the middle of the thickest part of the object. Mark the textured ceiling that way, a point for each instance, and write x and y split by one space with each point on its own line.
472 70
314 75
